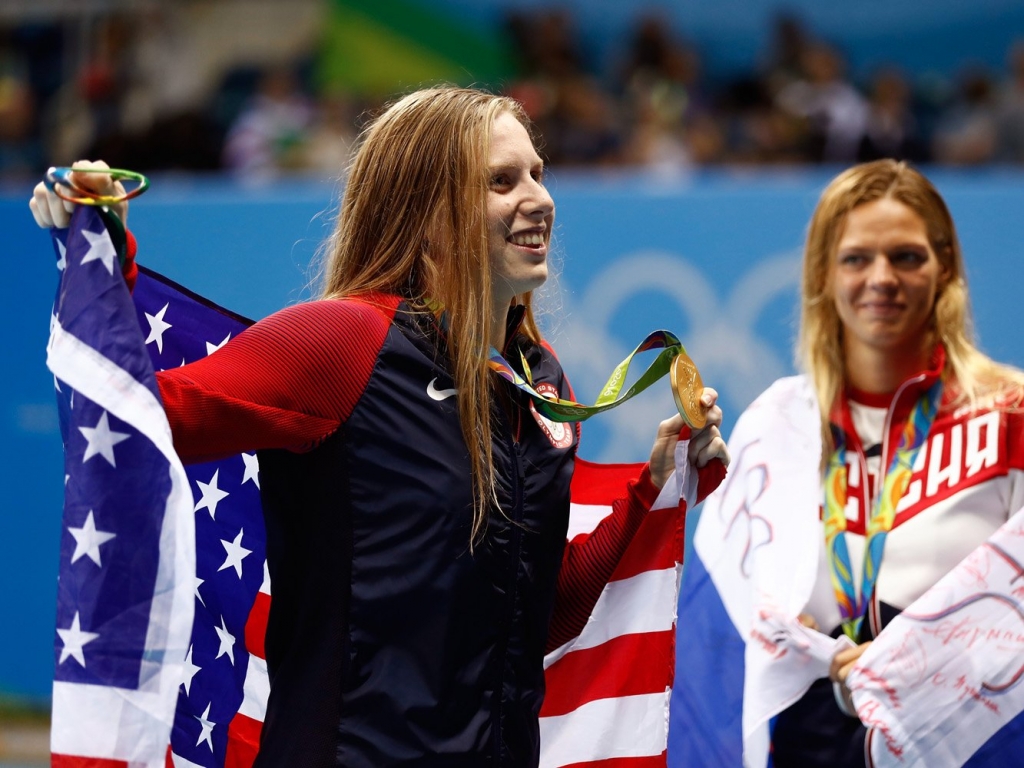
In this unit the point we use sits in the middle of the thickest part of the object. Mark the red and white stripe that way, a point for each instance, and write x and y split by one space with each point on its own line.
608 689
245 727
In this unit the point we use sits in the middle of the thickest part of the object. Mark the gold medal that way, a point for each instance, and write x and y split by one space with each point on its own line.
687 389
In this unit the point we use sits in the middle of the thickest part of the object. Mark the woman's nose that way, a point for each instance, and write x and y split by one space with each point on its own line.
540 200
881 272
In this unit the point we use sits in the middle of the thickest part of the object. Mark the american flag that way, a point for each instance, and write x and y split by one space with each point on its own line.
607 702
125 604
608 689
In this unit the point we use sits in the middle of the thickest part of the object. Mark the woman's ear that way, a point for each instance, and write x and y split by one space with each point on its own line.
945 271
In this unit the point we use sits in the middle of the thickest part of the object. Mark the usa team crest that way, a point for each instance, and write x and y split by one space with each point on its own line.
560 434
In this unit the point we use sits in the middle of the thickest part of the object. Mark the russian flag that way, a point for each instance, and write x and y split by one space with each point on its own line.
741 655
943 684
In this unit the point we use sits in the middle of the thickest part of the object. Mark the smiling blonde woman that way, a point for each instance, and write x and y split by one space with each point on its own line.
921 434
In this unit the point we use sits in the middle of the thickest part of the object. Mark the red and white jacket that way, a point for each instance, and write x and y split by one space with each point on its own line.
968 480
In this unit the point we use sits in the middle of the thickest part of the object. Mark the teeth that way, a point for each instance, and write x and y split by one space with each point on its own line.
528 239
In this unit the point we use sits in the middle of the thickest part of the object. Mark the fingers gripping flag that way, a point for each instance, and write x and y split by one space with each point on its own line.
124 605
214 676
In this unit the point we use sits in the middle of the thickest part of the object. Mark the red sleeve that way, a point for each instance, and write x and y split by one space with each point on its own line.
130 269
589 561
289 381
709 477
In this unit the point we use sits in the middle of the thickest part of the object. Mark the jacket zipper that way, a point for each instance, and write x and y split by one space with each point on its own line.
518 480
874 613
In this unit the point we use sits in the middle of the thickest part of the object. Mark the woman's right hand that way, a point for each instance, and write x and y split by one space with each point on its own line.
51 211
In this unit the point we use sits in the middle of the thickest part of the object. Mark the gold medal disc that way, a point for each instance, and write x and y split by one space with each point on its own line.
687 389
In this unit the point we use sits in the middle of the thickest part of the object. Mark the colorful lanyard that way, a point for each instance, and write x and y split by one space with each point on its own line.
883 511
672 355
61 175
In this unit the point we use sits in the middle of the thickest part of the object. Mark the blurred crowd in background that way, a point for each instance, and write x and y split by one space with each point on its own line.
125 90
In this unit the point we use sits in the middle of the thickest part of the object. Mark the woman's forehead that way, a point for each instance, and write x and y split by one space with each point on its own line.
510 141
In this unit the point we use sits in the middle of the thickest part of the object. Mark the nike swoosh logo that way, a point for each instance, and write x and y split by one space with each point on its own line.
439 394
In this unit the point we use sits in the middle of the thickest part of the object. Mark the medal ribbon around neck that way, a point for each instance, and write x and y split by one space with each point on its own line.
883 511
687 386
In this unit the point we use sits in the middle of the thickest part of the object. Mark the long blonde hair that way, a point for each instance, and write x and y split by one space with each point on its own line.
820 346
413 223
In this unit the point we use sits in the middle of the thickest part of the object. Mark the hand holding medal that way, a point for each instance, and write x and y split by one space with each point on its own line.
695 403
687 389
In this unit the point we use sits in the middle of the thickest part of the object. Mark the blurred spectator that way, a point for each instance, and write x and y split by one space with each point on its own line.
165 108
835 111
84 115
891 130
546 43
756 130
575 113
786 54
1010 108
582 127
20 149
104 77
330 137
966 132
656 56
133 83
670 128
656 137
269 135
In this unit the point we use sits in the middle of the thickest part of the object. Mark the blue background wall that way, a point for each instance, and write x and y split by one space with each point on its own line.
713 257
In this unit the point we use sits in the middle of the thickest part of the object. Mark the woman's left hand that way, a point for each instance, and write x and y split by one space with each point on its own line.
705 444
50 210
840 668
843 662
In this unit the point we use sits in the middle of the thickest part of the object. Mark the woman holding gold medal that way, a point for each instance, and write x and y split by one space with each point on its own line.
417 518
922 435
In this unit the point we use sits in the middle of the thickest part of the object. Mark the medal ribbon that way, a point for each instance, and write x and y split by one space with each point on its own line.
883 511
560 410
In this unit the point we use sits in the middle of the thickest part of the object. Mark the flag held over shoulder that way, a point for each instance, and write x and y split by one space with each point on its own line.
124 606
163 599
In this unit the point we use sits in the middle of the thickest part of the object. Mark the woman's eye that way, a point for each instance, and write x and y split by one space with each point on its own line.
500 180
908 258
851 259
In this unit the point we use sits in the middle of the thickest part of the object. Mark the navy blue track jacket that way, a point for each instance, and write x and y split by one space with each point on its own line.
389 642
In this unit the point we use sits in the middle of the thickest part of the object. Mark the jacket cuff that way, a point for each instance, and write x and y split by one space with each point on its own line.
709 477
645 489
